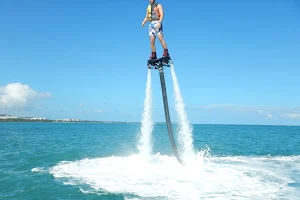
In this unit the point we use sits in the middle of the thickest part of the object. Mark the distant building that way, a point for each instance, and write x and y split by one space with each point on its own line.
68 120
8 117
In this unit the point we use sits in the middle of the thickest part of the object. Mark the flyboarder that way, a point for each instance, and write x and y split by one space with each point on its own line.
155 15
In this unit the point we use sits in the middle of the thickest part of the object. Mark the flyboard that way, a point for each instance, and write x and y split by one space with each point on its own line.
160 64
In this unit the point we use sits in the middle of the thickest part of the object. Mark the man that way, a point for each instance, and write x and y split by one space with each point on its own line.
155 15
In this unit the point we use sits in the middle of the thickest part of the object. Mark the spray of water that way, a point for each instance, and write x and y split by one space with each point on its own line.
144 145
185 138
230 177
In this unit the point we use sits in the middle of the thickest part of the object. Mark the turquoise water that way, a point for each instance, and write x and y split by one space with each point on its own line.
101 161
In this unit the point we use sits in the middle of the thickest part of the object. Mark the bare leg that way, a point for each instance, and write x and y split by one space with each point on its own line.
152 43
162 41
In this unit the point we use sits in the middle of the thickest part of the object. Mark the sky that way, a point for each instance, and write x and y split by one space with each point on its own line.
237 62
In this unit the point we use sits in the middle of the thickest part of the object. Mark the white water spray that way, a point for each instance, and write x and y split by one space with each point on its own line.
145 144
230 177
185 138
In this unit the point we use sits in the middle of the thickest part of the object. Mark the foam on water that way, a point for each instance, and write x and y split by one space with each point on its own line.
145 144
205 177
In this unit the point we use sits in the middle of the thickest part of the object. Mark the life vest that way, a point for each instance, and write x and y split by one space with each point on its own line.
153 13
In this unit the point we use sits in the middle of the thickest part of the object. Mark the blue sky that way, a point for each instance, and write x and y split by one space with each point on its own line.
237 62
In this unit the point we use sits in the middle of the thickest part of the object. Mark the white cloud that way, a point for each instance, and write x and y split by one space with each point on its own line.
99 111
293 115
270 116
270 113
264 111
18 96
218 106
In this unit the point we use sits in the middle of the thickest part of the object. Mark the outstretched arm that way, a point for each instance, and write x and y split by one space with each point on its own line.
145 19
161 12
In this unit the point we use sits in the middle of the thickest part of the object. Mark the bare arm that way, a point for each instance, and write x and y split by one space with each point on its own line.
161 12
145 19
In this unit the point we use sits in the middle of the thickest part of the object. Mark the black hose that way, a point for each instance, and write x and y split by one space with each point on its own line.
167 115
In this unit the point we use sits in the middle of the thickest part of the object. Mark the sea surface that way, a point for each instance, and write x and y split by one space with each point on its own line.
102 161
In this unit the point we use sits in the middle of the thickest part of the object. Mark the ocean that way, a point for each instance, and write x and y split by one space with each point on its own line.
104 161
